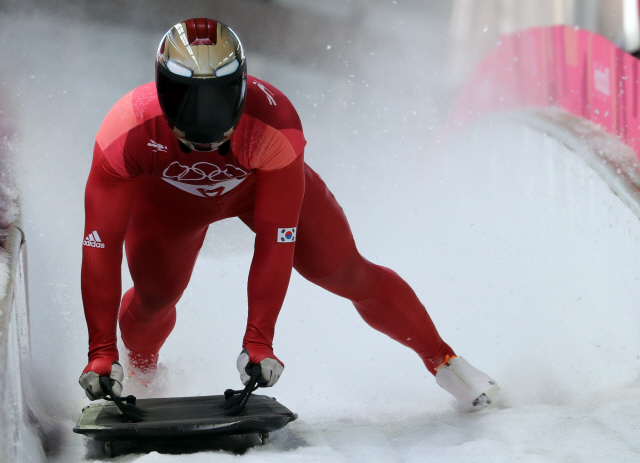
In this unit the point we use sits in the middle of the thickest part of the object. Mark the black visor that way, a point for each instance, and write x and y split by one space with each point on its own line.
203 108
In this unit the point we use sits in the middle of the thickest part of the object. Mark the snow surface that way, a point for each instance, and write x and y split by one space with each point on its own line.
526 261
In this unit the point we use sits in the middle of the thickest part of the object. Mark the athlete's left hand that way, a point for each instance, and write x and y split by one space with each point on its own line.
271 369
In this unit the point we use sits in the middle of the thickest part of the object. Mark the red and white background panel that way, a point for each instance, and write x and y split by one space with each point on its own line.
563 66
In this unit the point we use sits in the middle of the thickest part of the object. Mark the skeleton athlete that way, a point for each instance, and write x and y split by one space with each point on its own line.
203 143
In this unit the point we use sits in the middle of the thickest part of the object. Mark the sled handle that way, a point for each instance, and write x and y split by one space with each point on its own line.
128 409
235 401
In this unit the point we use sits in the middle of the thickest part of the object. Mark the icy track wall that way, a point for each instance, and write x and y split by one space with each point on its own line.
559 66
19 440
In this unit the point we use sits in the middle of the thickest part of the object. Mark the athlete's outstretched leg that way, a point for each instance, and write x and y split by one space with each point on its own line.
327 256
162 244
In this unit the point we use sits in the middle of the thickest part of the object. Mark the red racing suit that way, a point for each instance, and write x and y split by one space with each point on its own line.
151 193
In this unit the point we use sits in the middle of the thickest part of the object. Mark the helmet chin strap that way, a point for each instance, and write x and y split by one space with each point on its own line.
186 145
202 146
222 146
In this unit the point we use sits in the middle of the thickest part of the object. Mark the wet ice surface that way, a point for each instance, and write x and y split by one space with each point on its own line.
526 261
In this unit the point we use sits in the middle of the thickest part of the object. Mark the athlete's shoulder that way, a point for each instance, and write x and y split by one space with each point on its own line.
133 109
269 105
269 135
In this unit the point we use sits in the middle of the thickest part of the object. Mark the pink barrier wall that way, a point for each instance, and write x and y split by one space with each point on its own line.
558 66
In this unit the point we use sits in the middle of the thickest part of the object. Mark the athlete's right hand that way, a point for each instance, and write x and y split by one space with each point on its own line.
90 378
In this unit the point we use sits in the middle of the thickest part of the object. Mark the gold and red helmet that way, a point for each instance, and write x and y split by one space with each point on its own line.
201 75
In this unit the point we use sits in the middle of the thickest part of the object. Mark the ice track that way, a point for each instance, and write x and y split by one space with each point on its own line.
525 259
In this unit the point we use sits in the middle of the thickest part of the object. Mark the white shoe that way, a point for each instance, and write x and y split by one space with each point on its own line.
469 385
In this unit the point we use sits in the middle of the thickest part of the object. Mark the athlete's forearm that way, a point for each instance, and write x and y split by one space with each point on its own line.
101 300
267 287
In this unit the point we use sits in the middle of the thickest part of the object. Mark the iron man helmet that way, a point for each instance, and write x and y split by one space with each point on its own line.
201 75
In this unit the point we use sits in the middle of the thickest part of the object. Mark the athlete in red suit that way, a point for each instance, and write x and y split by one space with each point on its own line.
207 142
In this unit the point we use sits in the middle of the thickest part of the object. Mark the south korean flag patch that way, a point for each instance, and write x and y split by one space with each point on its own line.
286 235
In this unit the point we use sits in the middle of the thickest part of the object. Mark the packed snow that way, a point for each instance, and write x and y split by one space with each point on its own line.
525 259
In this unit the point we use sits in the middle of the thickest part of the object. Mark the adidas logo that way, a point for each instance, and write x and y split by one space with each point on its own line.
93 240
